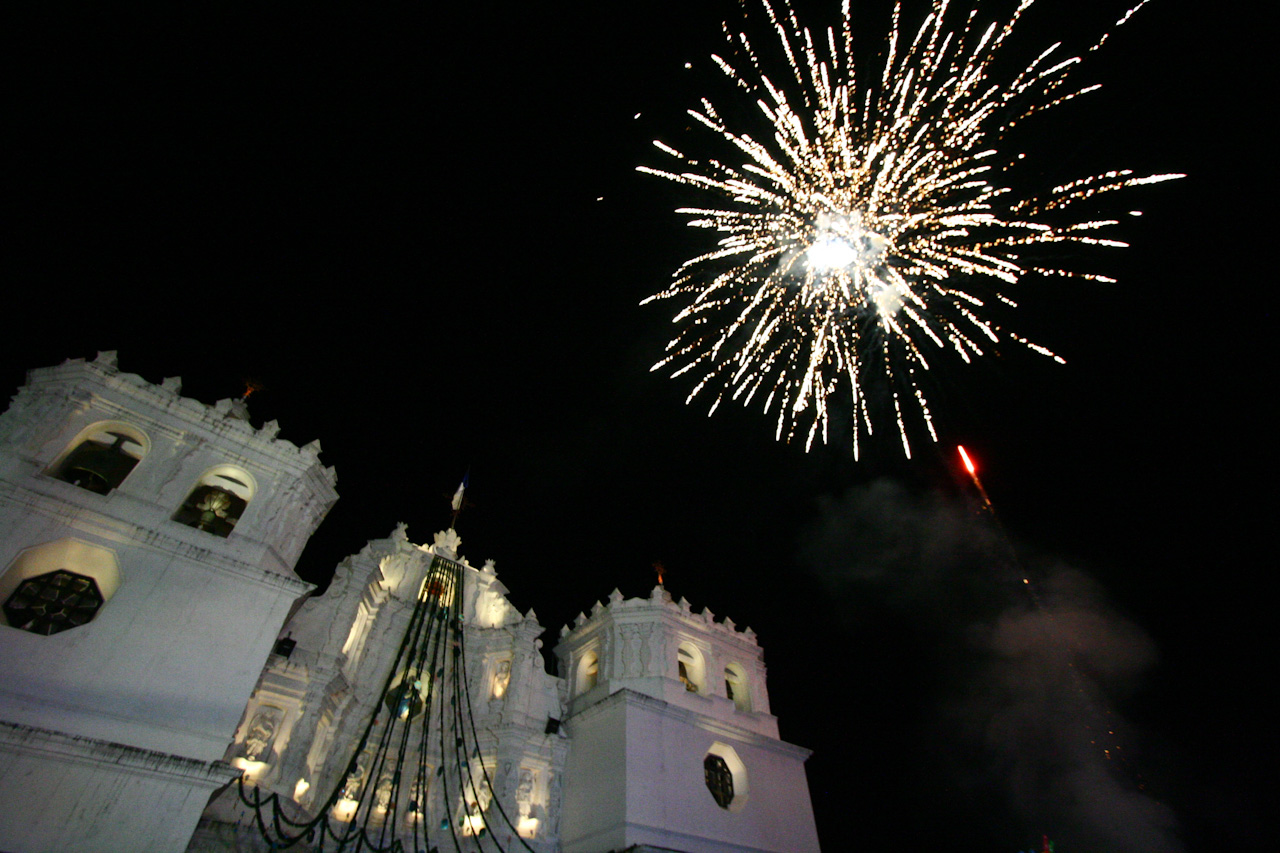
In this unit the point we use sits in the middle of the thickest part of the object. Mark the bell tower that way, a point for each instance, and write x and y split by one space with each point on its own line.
674 746
147 548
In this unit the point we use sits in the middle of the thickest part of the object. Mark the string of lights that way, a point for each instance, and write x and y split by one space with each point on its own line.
398 793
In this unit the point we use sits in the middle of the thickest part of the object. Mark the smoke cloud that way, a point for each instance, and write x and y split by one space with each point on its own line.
1027 674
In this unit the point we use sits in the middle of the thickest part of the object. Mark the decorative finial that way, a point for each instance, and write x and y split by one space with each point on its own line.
250 386
239 408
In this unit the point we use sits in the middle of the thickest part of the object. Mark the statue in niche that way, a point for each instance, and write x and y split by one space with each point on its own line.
382 793
501 678
261 736
524 792
355 778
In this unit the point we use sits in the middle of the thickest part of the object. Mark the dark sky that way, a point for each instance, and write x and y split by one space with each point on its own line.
421 229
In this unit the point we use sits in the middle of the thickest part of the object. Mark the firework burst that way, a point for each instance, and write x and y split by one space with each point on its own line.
875 225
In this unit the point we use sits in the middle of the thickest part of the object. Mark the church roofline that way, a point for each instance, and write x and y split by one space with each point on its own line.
659 601
223 418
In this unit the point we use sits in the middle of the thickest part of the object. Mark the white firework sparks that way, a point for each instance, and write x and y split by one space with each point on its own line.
853 241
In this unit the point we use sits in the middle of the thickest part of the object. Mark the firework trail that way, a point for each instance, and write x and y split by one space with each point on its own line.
1064 629
855 240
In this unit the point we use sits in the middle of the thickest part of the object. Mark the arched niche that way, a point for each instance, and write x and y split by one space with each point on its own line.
217 501
101 456
500 677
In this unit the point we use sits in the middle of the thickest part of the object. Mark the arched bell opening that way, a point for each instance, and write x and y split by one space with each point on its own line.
690 668
102 456
218 501
588 673
736 686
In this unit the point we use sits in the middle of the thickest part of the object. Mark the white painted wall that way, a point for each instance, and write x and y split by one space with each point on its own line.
635 776
121 723
72 795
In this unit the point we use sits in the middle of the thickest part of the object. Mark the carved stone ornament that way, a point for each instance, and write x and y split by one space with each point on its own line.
262 733
524 791
382 793
447 542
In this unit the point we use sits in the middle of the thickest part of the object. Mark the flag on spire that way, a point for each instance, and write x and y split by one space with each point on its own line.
456 503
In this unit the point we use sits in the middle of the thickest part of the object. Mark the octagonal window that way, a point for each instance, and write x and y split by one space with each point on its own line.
53 602
726 777
57 585
719 780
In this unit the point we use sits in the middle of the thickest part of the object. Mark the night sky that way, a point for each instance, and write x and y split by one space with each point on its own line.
421 229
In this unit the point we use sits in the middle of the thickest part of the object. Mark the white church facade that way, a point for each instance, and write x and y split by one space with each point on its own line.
156 646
